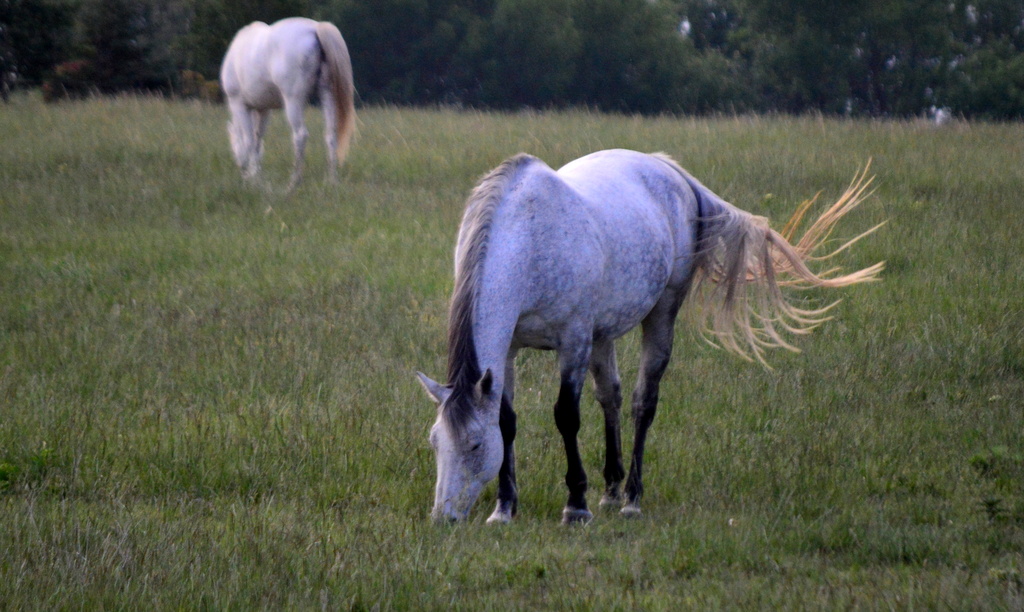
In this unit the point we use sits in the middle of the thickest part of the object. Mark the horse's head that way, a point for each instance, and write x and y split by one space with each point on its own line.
467 440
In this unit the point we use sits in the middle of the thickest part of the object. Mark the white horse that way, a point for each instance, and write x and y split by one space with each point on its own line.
571 260
270 66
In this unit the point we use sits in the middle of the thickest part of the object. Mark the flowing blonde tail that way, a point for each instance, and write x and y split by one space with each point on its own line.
742 266
339 66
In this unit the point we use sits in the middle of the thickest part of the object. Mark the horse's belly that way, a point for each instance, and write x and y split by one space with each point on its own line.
609 310
546 330
616 322
534 331
263 95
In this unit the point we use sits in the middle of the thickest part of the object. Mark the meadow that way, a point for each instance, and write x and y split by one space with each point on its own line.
208 400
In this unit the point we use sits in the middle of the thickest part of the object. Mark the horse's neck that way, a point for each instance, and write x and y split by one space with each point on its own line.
494 320
499 294
494 253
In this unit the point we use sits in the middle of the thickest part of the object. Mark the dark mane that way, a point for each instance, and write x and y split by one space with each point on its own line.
474 234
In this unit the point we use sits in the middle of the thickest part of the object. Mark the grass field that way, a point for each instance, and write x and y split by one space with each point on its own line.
207 396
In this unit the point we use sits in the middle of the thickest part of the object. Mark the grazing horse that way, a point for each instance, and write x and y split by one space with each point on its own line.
571 260
270 66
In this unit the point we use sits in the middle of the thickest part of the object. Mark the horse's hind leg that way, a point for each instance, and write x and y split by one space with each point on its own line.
330 107
259 128
656 349
567 418
508 494
241 131
607 389
293 111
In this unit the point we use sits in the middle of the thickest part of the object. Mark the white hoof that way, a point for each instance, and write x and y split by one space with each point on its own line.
575 516
607 501
631 510
500 518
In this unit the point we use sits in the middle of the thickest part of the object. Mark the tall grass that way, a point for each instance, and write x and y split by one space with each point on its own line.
207 399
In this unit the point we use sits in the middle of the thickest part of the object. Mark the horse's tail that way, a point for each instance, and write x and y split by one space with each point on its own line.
342 88
742 265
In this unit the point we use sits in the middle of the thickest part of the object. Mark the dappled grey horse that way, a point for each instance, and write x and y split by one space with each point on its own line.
571 260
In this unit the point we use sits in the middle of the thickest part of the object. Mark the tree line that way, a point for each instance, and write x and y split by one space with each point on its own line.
885 58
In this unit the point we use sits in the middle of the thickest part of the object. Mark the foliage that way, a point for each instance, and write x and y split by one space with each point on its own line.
883 58
992 89
35 36
70 81
132 44
532 55
191 84
403 50
215 23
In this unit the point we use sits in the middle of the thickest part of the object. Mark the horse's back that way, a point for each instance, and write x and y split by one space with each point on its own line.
624 182
635 198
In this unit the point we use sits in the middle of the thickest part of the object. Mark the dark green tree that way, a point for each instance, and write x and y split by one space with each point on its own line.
35 35
799 52
710 24
531 55
988 70
112 38
631 56
902 52
412 51
215 23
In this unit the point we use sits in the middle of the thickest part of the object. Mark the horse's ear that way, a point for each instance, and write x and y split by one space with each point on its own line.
485 385
435 390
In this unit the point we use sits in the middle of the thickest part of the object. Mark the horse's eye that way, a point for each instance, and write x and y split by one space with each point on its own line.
475 447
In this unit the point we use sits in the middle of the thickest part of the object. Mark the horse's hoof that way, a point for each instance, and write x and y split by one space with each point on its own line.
500 518
609 501
631 510
576 516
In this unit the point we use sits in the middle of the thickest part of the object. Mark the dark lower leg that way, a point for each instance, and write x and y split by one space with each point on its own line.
508 495
653 362
608 392
645 403
567 418
613 470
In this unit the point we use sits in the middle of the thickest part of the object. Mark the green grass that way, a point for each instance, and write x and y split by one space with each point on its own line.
207 396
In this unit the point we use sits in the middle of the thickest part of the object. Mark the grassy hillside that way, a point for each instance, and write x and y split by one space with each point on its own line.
207 395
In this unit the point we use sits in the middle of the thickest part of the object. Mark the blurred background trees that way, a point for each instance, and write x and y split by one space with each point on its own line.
870 58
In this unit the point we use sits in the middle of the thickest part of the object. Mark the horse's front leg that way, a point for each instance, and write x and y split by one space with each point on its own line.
567 418
608 390
656 349
508 494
